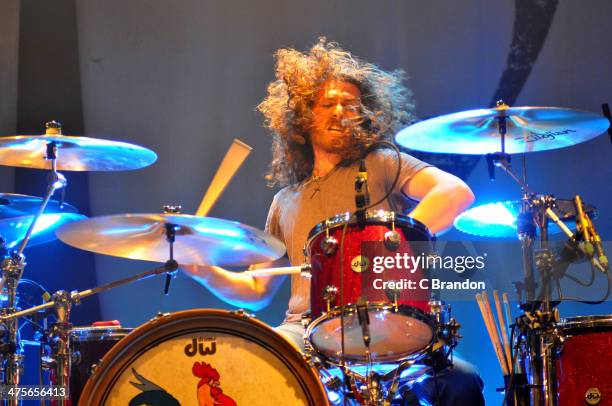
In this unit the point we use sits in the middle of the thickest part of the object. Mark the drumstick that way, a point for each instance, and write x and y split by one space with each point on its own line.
232 161
508 311
496 348
286 270
485 299
502 325
507 308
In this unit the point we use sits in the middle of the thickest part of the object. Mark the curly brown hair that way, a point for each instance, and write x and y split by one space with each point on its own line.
386 105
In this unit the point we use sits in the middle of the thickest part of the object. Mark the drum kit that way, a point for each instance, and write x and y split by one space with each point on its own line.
363 346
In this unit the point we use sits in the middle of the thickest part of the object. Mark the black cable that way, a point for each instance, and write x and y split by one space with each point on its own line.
592 302
581 283
345 226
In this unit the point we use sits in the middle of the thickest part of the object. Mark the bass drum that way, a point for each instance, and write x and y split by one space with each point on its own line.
204 357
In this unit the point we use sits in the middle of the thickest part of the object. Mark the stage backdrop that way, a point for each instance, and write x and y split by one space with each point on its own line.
183 78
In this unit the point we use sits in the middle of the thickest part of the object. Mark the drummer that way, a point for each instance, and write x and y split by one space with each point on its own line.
324 108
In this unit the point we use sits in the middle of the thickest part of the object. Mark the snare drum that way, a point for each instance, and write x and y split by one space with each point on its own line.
583 365
400 327
204 357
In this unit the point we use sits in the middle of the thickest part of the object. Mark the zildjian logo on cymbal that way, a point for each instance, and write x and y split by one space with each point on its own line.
533 136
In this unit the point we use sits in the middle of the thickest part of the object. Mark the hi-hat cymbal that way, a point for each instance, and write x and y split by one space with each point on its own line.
499 219
529 129
74 153
198 241
17 213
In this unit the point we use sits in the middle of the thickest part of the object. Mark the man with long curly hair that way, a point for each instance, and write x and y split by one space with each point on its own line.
325 108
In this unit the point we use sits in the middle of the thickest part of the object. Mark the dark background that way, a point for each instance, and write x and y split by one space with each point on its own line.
183 78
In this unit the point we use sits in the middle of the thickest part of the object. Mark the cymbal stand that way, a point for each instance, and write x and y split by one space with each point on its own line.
62 304
538 322
12 271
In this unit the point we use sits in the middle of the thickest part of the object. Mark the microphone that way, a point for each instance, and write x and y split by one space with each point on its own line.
599 252
592 241
364 321
582 226
362 194
167 284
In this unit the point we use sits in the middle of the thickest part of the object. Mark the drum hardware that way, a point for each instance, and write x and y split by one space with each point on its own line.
329 295
59 337
532 221
393 296
329 245
13 266
242 313
392 239
363 318
497 133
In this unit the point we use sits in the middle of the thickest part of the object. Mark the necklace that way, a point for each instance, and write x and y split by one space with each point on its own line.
318 180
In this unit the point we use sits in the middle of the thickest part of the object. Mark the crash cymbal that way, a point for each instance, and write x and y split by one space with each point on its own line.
498 219
198 241
529 129
17 213
74 153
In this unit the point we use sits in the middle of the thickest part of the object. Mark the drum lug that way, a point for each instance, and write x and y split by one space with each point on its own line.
242 313
306 319
76 357
329 245
159 316
392 239
329 295
393 295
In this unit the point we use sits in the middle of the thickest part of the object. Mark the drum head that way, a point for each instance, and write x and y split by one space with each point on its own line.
203 357
414 229
394 335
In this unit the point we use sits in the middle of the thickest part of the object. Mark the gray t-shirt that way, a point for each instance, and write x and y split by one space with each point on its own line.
296 209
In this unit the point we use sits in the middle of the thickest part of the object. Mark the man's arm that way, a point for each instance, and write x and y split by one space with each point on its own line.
442 197
236 288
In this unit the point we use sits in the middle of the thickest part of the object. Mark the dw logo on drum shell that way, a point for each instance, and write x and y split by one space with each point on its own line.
592 396
197 345
360 263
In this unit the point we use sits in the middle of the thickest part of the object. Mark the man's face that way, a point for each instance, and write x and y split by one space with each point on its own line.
335 112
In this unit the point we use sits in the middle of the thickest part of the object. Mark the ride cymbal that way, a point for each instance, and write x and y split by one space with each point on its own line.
529 129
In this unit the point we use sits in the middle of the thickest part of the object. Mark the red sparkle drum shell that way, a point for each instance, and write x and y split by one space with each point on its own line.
414 236
204 356
397 332
583 365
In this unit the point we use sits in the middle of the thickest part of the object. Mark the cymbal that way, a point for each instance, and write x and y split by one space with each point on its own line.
17 212
498 219
198 241
74 154
529 129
